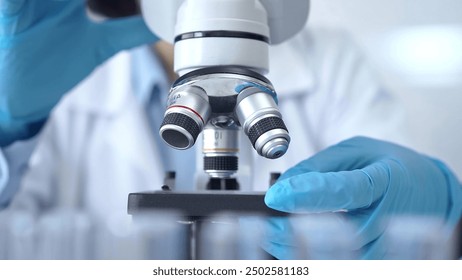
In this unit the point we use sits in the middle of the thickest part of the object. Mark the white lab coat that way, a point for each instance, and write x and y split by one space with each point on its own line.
97 147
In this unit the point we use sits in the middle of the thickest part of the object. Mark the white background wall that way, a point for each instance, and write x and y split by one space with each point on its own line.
416 47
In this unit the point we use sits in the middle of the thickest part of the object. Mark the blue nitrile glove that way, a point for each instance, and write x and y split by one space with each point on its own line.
372 180
46 48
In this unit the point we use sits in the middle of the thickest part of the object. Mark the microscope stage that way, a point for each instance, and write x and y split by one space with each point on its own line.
203 203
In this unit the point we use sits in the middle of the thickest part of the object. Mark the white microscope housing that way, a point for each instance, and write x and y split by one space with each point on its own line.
224 32
221 54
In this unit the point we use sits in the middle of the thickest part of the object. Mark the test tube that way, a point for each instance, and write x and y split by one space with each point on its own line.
17 235
153 235
65 235
416 238
324 237
230 237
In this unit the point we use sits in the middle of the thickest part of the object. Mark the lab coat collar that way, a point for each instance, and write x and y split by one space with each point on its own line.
106 91
147 72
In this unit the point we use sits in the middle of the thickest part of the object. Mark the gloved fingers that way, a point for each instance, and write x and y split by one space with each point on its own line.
298 169
275 229
10 21
20 15
279 239
280 251
354 153
279 230
31 10
10 7
288 230
121 34
265 232
313 192
375 250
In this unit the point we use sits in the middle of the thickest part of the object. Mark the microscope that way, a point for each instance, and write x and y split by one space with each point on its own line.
221 54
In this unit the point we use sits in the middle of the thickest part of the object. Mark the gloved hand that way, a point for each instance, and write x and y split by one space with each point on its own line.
46 48
371 180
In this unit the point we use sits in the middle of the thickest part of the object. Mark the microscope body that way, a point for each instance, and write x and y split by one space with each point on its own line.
221 55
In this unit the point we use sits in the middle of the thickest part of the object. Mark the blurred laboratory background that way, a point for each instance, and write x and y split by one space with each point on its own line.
416 48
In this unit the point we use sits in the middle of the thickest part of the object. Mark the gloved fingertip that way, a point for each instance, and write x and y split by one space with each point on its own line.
274 198
269 196
269 201
122 34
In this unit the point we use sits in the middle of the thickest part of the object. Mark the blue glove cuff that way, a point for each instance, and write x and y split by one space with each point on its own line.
454 213
12 132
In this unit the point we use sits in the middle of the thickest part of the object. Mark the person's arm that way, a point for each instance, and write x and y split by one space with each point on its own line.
46 48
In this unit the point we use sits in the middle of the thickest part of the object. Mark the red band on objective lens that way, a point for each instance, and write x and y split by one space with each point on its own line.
184 107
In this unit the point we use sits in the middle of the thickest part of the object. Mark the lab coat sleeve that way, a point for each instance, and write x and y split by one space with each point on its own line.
13 164
351 100
35 193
